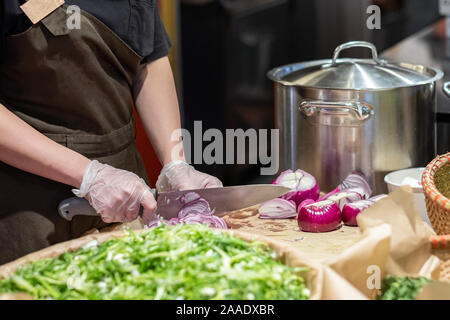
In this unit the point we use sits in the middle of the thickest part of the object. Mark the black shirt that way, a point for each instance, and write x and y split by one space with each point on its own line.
137 22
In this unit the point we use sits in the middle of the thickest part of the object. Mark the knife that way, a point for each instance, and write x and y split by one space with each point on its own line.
221 200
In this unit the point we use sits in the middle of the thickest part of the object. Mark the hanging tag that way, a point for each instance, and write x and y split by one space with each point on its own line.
36 10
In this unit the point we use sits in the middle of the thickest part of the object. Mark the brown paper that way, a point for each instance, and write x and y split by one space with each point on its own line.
434 291
320 247
36 10
395 240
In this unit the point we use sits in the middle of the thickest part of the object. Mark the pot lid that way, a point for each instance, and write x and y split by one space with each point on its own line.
354 73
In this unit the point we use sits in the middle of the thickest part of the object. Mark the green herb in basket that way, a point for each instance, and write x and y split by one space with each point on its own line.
401 288
181 262
442 180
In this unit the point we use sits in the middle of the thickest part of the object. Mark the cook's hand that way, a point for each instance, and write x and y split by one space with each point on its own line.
178 175
115 194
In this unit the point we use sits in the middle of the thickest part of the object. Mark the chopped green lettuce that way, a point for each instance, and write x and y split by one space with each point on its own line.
180 262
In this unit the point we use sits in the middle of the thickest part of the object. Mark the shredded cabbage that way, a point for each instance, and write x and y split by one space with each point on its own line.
168 262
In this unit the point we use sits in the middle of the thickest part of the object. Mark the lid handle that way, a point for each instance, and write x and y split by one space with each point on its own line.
353 44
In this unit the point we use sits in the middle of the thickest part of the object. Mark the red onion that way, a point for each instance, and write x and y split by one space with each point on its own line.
194 210
198 207
277 209
356 180
210 220
321 216
347 196
352 181
305 203
351 210
303 185
189 197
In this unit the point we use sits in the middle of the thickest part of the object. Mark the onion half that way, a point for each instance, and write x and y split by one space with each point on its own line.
321 216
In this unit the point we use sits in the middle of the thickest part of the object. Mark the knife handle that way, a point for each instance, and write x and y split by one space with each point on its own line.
75 206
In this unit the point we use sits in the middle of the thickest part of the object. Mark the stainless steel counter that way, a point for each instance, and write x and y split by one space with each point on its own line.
431 48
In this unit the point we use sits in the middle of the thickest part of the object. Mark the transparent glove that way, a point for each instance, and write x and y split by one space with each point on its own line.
178 175
117 195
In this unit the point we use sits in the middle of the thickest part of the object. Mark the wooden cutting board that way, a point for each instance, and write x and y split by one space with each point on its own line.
319 246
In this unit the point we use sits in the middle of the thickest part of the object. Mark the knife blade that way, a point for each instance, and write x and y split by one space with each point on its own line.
221 200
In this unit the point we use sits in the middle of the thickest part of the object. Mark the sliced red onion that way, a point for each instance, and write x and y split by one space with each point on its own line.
189 197
321 216
303 185
194 210
329 194
198 206
347 196
356 180
351 210
277 209
211 220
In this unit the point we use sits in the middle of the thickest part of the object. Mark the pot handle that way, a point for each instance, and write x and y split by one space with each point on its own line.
350 113
446 88
360 44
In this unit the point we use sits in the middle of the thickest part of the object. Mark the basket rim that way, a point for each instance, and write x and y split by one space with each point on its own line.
428 185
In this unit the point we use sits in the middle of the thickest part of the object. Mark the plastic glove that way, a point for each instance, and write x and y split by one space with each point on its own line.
178 175
117 195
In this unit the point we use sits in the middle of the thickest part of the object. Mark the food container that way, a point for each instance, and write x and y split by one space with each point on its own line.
340 115
411 177
438 206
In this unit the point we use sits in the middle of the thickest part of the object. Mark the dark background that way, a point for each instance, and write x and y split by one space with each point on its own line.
228 47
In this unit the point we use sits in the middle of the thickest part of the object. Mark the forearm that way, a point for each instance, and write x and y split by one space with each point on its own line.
25 148
157 105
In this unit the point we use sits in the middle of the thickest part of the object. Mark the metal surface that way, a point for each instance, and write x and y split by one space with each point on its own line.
221 200
397 129
354 74
354 44
446 89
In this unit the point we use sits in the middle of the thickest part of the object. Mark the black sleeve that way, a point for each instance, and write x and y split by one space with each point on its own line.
161 40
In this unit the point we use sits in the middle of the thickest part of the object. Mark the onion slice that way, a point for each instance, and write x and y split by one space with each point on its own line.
356 180
347 196
277 209
303 185
321 216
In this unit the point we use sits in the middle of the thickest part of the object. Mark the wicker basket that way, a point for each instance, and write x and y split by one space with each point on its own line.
438 209
440 246
438 206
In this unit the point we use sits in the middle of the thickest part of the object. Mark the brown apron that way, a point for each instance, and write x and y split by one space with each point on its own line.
74 86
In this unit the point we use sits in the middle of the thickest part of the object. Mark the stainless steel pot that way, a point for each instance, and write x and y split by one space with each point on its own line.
340 115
